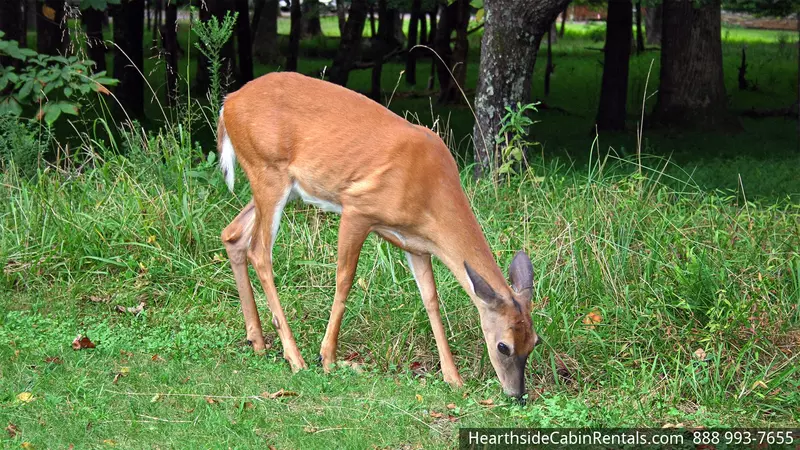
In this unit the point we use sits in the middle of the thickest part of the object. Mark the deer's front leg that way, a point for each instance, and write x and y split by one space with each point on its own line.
423 274
353 230
236 237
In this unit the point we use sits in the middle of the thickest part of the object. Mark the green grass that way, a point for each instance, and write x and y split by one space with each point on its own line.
669 270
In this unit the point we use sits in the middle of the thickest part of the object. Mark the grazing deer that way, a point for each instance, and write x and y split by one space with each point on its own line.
296 136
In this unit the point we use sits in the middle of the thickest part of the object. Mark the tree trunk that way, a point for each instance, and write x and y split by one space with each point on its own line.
798 81
169 35
432 44
563 21
294 36
341 16
411 56
148 4
350 43
311 12
51 30
639 34
548 70
158 6
511 39
653 24
129 57
244 43
692 91
265 32
372 29
423 28
96 47
383 44
12 24
611 111
455 17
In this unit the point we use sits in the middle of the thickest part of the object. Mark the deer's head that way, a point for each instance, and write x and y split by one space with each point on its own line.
506 322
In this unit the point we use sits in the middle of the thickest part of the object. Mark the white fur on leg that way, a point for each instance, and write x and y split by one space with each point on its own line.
227 158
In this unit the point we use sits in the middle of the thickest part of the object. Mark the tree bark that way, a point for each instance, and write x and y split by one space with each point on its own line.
432 43
169 34
383 44
244 42
350 43
372 29
548 70
411 56
341 16
612 109
294 36
311 23
96 47
653 24
455 17
639 34
563 21
265 32
510 43
692 92
12 24
129 56
51 30
158 6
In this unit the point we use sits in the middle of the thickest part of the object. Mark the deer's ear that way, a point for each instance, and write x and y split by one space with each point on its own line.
479 286
521 273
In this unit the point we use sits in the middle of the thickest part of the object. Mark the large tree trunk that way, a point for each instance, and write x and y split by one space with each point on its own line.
692 91
639 34
455 17
129 57
294 36
12 24
244 43
614 92
265 32
383 44
350 43
311 12
51 29
411 56
653 24
169 35
510 43
96 47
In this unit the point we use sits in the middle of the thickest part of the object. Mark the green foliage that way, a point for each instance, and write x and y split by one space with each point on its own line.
55 84
213 35
513 135
777 8
22 144
100 5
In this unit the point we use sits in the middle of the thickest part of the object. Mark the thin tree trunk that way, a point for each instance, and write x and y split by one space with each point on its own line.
563 21
265 32
169 35
692 91
148 4
372 29
12 24
432 44
383 44
639 34
548 70
350 43
244 42
511 39
157 5
129 57
455 17
798 81
294 36
653 24
411 56
311 23
341 16
423 28
612 109
96 47
51 31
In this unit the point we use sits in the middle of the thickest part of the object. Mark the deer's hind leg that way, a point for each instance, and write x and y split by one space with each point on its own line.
236 237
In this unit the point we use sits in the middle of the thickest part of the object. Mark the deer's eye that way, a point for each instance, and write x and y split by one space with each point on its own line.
503 348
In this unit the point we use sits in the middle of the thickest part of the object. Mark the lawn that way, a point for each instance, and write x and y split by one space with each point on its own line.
660 300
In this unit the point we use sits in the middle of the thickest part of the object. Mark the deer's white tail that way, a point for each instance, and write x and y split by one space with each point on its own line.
227 156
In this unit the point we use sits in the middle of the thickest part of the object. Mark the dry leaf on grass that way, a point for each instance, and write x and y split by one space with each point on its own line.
700 354
452 418
25 397
310 429
12 430
53 360
488 402
592 318
135 310
27 446
81 342
279 393
436 415
451 406
211 400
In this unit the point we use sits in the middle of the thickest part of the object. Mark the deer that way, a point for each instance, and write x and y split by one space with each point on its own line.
301 137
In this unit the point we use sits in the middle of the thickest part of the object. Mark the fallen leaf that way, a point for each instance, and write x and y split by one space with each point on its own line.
135 310
210 400
25 397
156 398
248 405
124 370
12 430
451 406
157 357
125 353
417 369
436 415
81 342
419 398
759 384
117 376
452 418
110 442
151 239
310 429
487 402
353 356
98 299
700 354
592 318
53 360
27 446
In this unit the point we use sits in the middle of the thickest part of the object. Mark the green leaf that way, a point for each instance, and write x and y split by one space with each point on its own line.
10 106
68 108
68 91
479 15
26 89
51 114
